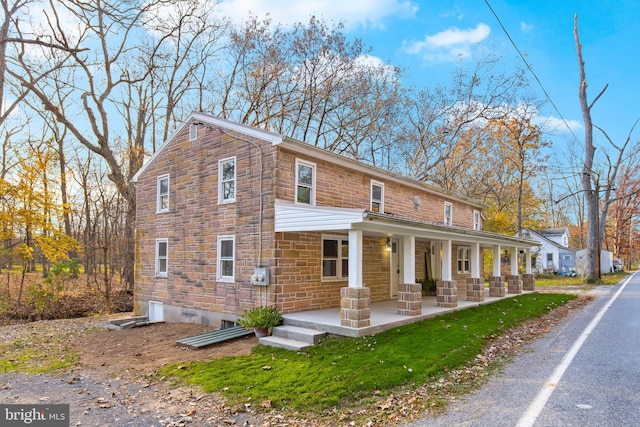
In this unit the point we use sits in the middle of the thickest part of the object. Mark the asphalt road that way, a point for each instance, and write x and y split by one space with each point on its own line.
584 372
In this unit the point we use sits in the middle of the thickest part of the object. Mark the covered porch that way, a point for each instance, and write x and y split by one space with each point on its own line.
453 256
383 316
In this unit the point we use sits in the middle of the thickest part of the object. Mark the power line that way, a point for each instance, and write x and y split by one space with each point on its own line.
531 71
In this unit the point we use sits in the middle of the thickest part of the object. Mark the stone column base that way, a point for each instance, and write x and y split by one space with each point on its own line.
354 307
475 289
514 286
447 293
410 299
496 286
528 282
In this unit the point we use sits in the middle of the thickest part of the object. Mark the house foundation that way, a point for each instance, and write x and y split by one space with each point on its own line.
354 307
410 299
496 286
475 289
514 285
447 293
528 282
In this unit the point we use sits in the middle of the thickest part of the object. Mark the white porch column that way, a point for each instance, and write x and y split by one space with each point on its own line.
514 284
355 259
528 280
496 260
475 285
409 292
409 259
356 298
515 254
446 261
475 260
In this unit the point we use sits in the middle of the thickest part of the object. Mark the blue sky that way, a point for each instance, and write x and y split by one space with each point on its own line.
425 37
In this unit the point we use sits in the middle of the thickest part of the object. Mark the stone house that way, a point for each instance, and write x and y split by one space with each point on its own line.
230 217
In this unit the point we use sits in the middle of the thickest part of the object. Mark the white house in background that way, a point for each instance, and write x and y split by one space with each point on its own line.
554 254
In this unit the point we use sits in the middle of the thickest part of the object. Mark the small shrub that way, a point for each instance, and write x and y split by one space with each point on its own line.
262 317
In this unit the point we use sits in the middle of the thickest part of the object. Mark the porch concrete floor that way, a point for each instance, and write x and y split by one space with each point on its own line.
384 316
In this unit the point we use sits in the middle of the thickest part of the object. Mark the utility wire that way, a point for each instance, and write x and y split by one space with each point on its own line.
531 70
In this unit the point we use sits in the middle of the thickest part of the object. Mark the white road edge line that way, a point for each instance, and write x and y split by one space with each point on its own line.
538 404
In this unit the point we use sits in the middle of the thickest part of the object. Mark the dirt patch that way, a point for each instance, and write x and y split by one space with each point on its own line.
141 351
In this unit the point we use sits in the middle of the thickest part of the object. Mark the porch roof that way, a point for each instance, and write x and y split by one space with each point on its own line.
299 218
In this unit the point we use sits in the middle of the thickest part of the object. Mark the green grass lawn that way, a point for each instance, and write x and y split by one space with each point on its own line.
342 369
606 279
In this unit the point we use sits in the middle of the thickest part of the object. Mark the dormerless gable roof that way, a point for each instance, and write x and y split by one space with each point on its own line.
305 149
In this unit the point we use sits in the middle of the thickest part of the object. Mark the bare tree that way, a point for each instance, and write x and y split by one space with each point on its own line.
595 180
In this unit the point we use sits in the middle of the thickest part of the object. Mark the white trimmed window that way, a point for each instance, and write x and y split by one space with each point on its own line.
227 180
335 258
162 204
464 259
193 132
476 220
448 210
305 182
377 197
162 257
226 258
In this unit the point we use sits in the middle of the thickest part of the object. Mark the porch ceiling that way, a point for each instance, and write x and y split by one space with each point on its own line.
294 217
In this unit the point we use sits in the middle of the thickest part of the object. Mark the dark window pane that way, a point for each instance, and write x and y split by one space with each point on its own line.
226 249
164 186
304 195
376 193
227 268
162 249
329 268
330 248
345 268
162 266
164 202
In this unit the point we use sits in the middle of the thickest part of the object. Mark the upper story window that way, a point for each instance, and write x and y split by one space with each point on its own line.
162 257
335 257
377 197
305 182
227 180
162 204
448 210
476 220
226 258
464 259
193 132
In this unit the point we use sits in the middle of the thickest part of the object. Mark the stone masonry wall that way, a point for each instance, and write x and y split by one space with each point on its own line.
332 180
195 220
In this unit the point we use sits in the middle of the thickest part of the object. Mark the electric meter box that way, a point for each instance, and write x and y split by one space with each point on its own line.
260 276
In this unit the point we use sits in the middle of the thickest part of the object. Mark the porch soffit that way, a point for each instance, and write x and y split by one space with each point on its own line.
295 217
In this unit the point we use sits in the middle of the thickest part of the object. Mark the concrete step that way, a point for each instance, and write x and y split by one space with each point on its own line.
297 333
285 343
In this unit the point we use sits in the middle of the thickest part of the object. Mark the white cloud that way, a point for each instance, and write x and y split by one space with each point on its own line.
555 124
526 27
449 44
353 13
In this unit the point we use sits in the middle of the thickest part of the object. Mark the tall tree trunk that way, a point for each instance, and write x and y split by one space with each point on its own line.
588 175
